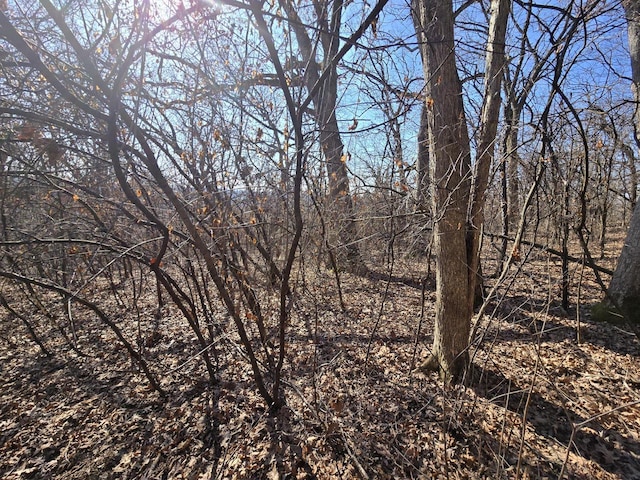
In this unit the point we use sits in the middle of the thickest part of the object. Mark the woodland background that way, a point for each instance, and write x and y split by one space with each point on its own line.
227 232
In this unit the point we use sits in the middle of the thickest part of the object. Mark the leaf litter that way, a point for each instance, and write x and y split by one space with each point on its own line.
537 404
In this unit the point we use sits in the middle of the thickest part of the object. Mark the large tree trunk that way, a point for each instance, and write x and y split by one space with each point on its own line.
457 207
624 289
632 10
341 203
450 166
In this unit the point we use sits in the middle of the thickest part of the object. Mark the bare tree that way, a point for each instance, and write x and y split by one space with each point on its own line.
457 192
321 79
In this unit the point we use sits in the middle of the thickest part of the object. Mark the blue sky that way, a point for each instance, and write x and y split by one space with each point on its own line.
597 69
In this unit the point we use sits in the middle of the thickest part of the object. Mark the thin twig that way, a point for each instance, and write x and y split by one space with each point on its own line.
578 426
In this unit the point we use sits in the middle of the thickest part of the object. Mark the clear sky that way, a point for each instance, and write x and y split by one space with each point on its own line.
596 67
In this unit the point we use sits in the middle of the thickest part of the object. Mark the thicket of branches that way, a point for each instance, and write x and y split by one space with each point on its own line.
199 154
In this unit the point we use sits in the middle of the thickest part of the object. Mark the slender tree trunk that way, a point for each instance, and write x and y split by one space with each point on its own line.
325 102
564 232
398 160
422 187
602 236
634 185
509 174
504 210
513 161
494 65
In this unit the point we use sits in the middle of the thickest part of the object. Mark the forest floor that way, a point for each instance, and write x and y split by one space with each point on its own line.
537 404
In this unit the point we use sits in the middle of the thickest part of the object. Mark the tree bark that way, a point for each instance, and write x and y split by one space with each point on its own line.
632 11
494 66
422 167
450 166
512 120
457 206
624 288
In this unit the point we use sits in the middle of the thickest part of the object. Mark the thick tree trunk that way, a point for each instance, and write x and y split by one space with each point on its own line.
624 289
457 207
632 10
450 165
633 179
341 203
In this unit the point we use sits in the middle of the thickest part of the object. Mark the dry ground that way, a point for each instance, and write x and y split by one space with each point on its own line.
538 404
